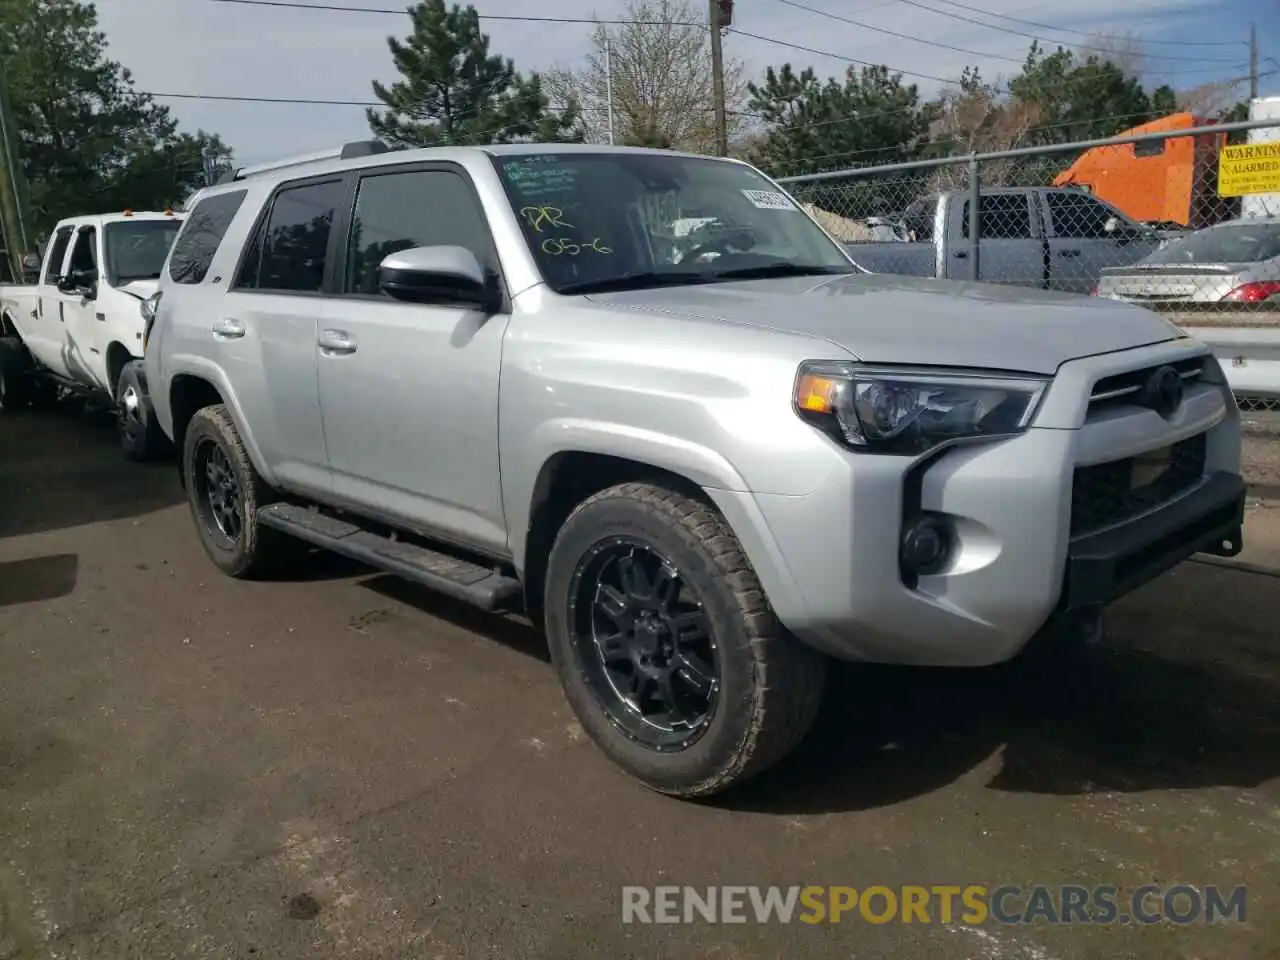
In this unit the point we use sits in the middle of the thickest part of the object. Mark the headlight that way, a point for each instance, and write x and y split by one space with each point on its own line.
148 308
908 412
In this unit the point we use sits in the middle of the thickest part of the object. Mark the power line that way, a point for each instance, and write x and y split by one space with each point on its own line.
233 99
1032 36
403 12
900 36
1082 33
950 81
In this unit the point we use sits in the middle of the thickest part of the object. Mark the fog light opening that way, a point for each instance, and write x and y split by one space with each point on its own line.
926 547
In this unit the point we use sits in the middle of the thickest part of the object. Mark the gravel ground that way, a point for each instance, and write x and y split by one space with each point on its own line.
345 766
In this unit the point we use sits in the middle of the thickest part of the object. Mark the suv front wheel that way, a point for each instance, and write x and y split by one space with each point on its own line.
667 649
225 493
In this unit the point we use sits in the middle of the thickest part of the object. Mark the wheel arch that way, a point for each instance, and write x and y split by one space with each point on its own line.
567 478
118 357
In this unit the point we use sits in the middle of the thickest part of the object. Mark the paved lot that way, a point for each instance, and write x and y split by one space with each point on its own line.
343 766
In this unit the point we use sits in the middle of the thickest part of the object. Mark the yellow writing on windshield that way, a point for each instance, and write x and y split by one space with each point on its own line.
555 247
540 217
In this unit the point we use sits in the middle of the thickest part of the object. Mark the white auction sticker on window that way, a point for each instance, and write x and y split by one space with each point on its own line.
769 199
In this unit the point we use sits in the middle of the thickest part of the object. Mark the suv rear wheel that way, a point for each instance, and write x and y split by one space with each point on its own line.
225 493
666 647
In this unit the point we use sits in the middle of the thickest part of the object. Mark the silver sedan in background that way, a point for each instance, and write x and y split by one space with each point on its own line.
1229 266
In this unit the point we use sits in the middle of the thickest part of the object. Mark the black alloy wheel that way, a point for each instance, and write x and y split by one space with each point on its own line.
219 499
645 643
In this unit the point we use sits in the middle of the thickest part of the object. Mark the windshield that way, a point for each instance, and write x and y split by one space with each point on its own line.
136 249
1236 243
616 220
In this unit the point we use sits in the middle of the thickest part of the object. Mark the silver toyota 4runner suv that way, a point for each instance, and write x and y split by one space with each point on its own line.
645 398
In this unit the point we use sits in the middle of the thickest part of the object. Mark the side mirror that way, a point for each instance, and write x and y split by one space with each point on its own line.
440 274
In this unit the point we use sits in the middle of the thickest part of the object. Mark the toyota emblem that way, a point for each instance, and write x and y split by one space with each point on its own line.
1163 391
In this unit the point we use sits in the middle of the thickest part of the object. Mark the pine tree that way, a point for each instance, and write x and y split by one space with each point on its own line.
455 92
87 139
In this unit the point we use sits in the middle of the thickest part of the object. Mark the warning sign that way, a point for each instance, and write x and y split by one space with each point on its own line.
1252 168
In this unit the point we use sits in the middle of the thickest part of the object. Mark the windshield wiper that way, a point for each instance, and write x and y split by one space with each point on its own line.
767 271
634 281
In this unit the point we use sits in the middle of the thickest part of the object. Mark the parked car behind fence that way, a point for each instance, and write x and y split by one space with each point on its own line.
996 218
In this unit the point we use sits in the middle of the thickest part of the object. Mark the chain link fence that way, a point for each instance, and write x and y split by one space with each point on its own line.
1184 222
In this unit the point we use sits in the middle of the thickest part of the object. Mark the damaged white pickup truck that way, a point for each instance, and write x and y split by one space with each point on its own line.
80 326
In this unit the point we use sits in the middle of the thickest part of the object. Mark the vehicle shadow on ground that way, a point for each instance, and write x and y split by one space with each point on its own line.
38 578
63 468
514 632
1142 715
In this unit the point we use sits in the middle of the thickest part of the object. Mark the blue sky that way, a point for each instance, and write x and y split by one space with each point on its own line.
206 47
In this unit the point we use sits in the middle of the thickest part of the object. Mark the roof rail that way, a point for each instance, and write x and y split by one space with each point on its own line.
348 151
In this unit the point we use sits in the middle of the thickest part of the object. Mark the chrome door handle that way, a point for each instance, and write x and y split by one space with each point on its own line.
228 329
336 341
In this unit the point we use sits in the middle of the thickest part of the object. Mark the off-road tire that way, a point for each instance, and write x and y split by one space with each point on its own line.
141 438
771 685
258 550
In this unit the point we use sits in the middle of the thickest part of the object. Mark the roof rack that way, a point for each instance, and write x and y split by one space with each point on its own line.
348 151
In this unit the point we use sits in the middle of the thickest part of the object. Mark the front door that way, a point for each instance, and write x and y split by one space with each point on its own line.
409 392
1080 245
84 353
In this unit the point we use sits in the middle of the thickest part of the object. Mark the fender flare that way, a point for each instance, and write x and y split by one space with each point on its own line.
191 366
696 463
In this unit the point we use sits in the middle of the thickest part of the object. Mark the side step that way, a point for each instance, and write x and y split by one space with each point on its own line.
469 582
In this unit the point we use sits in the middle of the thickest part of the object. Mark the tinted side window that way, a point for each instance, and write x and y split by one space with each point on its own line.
54 267
421 208
84 255
1005 216
292 247
202 233
1078 216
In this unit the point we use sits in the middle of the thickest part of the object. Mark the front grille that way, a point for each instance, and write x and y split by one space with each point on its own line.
1123 389
1109 493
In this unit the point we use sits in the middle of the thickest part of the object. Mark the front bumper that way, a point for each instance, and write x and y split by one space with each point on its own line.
1105 566
828 560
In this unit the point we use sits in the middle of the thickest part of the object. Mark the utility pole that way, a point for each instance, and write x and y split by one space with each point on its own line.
14 241
608 80
1253 62
719 17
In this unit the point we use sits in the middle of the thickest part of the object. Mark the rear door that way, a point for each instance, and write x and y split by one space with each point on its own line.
1080 245
1011 244
266 331
49 338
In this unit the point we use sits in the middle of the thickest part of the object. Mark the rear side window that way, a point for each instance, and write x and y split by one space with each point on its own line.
1003 216
290 252
54 267
203 232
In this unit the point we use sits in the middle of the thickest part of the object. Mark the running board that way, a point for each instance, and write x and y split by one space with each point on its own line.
471 583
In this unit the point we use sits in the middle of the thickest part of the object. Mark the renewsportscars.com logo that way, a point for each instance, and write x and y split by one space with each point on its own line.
971 905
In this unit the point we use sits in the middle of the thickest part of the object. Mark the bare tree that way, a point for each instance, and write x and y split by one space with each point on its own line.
1124 50
660 64
979 118
1208 99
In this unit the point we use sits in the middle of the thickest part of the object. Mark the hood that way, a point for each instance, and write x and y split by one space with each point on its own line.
140 288
904 320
